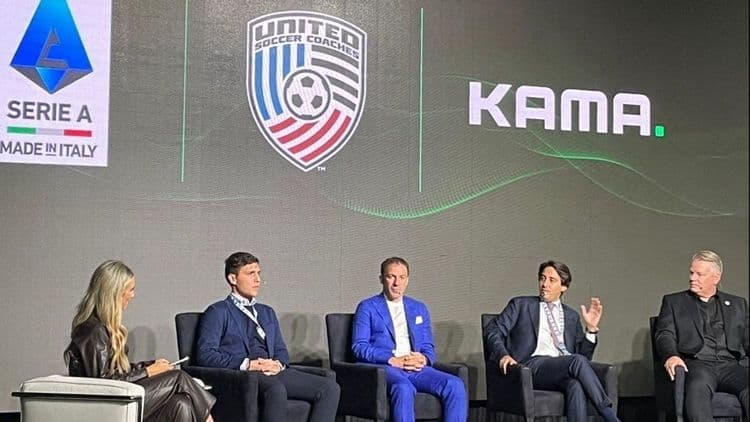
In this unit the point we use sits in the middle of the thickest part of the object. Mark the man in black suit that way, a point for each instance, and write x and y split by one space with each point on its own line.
705 331
546 335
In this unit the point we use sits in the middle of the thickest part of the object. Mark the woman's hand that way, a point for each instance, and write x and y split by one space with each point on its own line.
159 366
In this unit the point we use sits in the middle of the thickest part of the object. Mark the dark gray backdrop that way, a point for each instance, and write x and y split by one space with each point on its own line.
624 211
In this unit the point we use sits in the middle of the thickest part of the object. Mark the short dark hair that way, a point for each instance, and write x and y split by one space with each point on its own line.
393 260
236 261
562 270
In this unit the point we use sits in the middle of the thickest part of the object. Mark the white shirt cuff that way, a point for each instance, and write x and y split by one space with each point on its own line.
245 364
591 337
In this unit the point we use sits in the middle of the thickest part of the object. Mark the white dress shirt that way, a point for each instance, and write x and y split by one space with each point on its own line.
545 346
401 330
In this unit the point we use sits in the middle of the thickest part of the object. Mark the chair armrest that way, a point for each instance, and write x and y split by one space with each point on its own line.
679 391
61 385
322 372
455 368
512 392
607 375
363 390
236 391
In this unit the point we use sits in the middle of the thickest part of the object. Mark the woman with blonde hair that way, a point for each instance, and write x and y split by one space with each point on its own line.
98 349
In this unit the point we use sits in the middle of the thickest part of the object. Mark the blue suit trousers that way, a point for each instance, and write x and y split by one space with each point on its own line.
404 385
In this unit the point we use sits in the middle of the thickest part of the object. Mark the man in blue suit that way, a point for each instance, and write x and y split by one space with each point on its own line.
394 330
544 334
240 333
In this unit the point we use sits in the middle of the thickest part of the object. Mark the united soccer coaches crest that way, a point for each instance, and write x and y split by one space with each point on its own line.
306 83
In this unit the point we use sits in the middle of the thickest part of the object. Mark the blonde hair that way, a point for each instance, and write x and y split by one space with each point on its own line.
710 257
103 298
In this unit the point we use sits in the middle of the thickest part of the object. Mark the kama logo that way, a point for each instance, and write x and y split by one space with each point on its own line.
639 105
51 53
306 83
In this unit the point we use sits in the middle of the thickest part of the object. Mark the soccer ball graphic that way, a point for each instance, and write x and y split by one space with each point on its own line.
307 94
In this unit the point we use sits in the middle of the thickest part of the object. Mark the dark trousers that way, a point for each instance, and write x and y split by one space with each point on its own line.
704 378
576 379
322 393
174 396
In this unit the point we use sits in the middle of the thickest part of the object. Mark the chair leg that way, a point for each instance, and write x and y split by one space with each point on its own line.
661 416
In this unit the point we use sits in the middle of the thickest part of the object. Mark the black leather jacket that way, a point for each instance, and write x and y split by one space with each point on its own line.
90 352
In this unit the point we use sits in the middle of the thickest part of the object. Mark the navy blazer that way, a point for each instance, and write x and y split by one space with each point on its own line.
515 331
224 335
373 336
679 328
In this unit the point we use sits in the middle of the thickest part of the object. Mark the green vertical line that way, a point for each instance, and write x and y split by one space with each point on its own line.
421 87
184 93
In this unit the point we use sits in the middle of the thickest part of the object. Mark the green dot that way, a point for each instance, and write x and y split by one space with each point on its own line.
659 131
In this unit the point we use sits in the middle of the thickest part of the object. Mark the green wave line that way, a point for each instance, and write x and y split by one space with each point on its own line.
409 215
570 156
570 159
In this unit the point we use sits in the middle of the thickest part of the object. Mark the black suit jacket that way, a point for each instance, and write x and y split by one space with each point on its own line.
90 354
679 327
514 332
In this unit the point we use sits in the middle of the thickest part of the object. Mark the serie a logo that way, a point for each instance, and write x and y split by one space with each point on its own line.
306 77
51 53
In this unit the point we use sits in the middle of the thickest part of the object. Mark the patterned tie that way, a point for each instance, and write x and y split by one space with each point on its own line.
555 331
251 309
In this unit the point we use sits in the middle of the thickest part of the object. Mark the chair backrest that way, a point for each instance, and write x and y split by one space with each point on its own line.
660 374
652 330
187 328
486 318
339 332
663 388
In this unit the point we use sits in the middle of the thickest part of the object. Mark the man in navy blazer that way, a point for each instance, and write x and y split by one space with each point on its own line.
394 330
240 333
546 335
705 331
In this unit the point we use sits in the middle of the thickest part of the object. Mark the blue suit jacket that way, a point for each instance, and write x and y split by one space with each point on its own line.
514 332
373 336
224 335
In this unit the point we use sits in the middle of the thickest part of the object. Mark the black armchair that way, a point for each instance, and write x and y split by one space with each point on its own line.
670 396
514 393
236 391
363 389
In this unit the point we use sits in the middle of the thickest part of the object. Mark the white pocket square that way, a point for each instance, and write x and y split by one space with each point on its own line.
419 319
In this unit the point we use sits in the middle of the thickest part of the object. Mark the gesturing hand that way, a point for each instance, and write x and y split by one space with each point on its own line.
592 314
